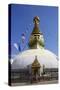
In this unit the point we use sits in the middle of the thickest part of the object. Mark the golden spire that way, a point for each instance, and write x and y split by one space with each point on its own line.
36 38
36 21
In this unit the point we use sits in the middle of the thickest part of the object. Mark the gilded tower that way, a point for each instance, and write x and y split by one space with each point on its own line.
36 38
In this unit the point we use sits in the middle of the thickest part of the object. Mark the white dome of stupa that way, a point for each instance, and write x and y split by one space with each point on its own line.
45 57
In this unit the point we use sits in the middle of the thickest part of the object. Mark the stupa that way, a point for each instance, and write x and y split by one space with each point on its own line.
45 59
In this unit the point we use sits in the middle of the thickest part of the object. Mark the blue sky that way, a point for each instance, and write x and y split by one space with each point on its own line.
22 21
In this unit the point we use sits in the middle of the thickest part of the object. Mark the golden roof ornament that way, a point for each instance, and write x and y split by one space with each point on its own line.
36 63
36 20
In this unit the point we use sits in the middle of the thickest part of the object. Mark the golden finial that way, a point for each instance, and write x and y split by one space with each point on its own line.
36 20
